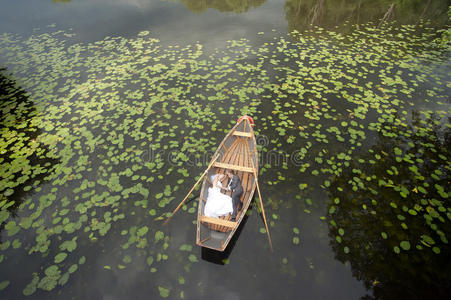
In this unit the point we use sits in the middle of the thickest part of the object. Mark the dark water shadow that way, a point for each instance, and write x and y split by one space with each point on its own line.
221 258
20 109
379 228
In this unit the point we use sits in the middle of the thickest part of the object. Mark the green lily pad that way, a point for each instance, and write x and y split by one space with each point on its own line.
60 257
405 245
164 292
4 284
192 258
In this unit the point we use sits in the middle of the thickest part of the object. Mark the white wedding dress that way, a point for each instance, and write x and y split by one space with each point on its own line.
218 204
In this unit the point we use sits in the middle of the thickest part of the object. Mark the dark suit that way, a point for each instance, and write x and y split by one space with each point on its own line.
237 191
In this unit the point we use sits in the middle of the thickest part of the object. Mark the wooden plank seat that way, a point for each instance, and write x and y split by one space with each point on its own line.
243 134
233 167
218 226
217 221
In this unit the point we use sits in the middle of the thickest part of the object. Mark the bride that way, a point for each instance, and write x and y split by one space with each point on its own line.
218 204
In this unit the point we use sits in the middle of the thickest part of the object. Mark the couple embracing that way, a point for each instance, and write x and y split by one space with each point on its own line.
219 204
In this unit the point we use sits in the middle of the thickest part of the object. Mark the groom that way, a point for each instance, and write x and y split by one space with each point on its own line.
237 190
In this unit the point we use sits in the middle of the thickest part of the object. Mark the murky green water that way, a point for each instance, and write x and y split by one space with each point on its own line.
109 116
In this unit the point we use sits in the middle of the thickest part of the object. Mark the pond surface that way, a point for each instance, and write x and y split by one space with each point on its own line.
111 110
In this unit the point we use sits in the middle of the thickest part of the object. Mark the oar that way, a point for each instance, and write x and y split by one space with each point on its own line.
261 203
192 189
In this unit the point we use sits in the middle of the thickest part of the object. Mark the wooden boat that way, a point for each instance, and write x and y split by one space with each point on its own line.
238 152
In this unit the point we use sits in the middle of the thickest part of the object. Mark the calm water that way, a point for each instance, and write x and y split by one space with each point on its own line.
308 261
210 22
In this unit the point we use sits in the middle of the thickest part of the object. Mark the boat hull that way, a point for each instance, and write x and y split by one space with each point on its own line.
238 152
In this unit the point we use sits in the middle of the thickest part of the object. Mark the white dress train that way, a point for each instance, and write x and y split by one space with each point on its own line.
218 204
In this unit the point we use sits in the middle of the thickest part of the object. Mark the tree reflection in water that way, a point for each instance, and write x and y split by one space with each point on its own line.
24 161
389 211
237 6
302 14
